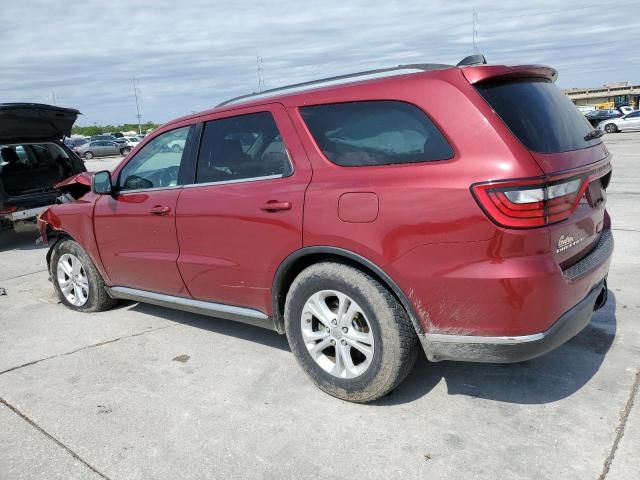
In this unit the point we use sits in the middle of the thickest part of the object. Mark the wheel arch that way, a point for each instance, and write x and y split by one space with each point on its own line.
301 259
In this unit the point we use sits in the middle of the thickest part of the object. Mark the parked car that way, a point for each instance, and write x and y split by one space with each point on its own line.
630 121
132 141
101 148
460 208
108 137
33 158
596 116
75 142
624 109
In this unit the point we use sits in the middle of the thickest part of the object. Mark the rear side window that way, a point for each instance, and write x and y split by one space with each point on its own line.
240 148
370 133
539 114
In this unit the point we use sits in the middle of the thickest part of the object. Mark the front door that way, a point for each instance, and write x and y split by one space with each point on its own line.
135 227
243 216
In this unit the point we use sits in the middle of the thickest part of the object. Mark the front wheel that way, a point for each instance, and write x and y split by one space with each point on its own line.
88 155
125 151
76 280
610 128
348 332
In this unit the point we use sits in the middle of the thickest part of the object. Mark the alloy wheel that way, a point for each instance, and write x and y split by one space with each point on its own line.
72 279
337 334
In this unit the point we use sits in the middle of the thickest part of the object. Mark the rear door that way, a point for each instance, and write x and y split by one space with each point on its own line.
557 136
243 216
135 228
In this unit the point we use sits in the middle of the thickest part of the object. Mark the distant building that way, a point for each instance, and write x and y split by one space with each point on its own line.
606 96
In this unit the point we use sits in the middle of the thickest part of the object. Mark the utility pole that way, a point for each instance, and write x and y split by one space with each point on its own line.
135 93
475 32
260 72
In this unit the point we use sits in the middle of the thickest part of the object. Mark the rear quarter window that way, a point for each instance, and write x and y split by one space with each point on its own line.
539 115
369 133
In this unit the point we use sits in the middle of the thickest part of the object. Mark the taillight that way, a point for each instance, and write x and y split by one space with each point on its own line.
8 210
529 203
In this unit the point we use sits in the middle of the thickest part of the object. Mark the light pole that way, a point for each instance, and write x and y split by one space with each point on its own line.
135 93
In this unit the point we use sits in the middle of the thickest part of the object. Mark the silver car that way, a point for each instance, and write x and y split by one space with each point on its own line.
630 121
101 148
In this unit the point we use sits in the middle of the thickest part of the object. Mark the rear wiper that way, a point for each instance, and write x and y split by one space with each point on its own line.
593 134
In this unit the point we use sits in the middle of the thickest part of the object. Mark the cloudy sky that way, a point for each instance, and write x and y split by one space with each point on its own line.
189 55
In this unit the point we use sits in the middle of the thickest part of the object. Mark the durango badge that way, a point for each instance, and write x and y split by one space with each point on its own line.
565 242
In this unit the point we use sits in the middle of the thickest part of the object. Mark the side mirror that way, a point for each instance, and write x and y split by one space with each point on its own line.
101 183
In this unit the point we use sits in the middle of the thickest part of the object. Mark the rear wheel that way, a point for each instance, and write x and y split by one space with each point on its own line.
176 148
76 280
125 151
88 155
610 128
348 333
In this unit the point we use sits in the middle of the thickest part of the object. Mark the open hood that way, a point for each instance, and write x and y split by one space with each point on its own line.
34 122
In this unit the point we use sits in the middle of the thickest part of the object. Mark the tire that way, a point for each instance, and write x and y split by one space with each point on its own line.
96 295
176 148
610 128
124 151
381 319
88 155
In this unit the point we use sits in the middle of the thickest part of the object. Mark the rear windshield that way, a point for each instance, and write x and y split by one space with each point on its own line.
382 132
539 114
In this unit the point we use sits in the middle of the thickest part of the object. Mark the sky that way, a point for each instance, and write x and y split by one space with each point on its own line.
190 55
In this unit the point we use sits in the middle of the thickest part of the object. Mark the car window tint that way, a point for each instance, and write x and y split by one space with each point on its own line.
157 164
375 133
539 115
241 147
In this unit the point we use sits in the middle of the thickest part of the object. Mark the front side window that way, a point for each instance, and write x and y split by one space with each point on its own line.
242 147
157 164
371 133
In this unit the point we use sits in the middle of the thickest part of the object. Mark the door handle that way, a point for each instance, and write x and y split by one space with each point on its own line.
160 210
276 206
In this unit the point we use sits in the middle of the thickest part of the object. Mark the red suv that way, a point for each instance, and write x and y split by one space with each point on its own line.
457 207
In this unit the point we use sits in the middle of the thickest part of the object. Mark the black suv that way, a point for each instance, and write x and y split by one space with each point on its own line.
33 158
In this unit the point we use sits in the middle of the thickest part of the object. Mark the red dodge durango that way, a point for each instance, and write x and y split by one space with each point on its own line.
460 208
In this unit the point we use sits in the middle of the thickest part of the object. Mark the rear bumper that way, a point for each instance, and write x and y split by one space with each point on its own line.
518 348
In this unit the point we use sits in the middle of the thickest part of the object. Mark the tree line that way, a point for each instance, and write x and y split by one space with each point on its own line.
125 127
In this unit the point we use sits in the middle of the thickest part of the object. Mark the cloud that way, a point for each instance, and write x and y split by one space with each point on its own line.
190 55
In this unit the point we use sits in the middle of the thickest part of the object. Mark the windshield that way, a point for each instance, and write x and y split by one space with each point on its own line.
539 114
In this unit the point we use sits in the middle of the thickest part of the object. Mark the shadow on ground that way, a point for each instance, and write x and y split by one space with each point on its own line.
546 379
23 240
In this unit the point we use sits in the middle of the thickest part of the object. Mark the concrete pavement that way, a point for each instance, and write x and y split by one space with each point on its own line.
143 392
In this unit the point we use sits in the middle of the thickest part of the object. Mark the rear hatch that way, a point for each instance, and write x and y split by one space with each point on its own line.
570 197
34 122
26 130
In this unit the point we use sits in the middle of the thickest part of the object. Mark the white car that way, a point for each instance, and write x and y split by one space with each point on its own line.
132 141
630 121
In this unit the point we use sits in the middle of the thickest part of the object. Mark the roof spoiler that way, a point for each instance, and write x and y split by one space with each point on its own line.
490 73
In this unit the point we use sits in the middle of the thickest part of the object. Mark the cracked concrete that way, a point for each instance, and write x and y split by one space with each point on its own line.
125 395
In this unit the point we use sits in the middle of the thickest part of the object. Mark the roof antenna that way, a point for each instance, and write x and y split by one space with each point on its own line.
475 32
476 59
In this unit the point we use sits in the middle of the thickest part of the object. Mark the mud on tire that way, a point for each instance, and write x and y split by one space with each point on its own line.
97 298
395 340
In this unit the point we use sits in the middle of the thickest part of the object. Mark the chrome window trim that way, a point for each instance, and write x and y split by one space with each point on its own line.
154 189
238 180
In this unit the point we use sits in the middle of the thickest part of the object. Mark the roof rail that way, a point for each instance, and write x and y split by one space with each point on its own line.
412 66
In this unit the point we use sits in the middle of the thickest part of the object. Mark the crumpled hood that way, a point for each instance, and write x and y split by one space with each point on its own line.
77 185
35 122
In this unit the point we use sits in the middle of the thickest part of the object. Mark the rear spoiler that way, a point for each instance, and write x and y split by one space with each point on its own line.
486 73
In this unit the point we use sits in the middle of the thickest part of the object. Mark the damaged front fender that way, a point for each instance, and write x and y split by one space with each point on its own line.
77 186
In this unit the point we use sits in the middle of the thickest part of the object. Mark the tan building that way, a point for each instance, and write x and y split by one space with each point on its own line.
606 96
